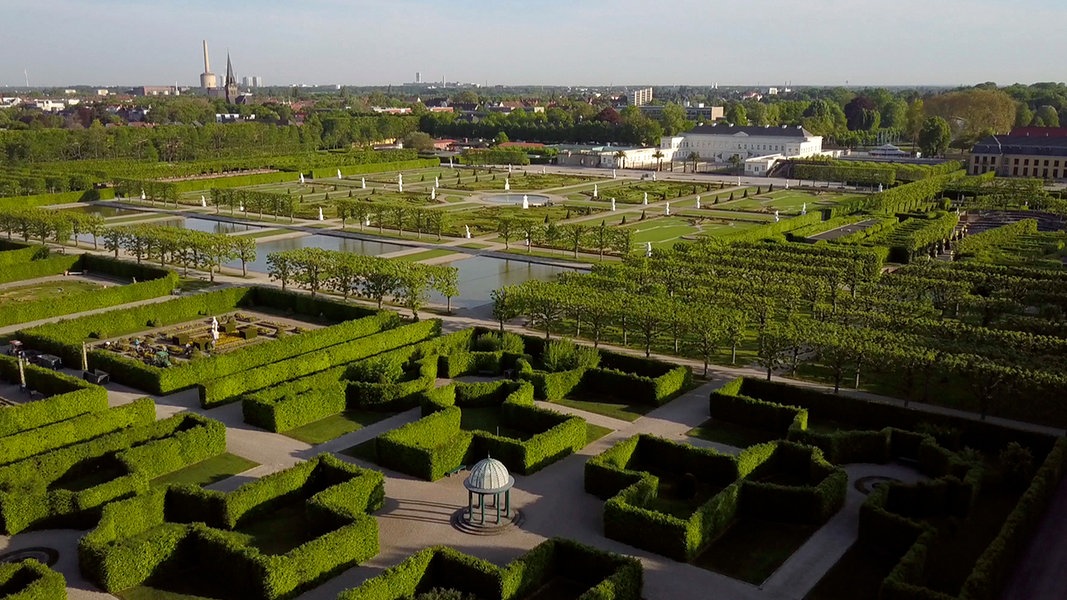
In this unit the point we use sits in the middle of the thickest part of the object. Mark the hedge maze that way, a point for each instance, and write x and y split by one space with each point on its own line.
269 539
991 481
553 568
675 499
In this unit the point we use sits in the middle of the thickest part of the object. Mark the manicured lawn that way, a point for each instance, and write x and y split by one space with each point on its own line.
424 255
595 432
859 574
731 434
624 412
335 426
282 529
670 501
209 471
519 182
751 549
45 290
365 451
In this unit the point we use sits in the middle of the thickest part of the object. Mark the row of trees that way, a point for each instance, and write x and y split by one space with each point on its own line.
573 236
44 225
182 247
371 277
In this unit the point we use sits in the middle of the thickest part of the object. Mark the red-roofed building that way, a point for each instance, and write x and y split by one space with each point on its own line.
521 145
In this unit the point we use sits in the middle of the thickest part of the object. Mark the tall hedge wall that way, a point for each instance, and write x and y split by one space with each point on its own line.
603 575
30 580
68 397
188 528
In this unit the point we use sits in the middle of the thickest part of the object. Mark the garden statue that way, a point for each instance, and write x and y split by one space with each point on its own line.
698 202
241 205
613 175
142 195
467 229
203 201
366 221
612 205
433 193
301 179
667 209
214 328
400 182
653 175
509 167
525 202
879 188
507 184
450 162
645 201
320 213
648 249
363 182
804 209
738 182
436 181
775 216
543 170
596 191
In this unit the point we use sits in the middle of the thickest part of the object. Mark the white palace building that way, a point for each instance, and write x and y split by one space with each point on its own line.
759 147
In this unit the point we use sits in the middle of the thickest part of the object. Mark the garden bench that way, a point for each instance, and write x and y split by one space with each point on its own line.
456 470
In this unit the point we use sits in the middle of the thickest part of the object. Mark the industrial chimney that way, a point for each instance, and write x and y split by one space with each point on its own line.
208 81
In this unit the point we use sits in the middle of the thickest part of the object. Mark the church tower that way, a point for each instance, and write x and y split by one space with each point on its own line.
231 82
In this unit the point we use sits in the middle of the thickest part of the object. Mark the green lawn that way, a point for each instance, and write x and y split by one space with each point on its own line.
45 290
335 426
424 255
595 432
209 471
365 451
751 549
731 434
624 412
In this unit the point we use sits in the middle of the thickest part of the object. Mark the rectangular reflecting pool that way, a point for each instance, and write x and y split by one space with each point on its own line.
326 242
481 275
103 211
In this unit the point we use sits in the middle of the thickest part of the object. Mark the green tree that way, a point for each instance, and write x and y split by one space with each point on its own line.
934 136
736 114
506 304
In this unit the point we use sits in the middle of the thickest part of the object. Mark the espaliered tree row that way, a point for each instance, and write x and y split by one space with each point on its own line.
786 305
43 225
181 247
408 284
573 237
401 216
252 201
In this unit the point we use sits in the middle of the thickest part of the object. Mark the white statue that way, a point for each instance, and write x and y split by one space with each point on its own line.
543 170
527 240
648 249
301 179
363 182
203 201
804 209
739 181
667 209
400 186
509 167
321 218
645 201
879 188
507 184
653 175
400 178
214 329
612 205
366 221
241 205
698 202
450 166
339 174
433 193
436 181
467 228
787 184
525 202
613 174
596 191
142 195
775 216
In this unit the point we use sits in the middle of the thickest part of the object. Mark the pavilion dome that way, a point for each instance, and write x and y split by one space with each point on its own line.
489 475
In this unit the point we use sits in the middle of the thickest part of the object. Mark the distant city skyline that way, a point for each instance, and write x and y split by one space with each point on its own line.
595 43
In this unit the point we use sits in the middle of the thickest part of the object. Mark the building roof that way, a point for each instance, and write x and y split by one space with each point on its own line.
1039 131
489 476
751 131
1021 144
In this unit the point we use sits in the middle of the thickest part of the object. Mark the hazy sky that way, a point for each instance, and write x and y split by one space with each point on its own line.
550 42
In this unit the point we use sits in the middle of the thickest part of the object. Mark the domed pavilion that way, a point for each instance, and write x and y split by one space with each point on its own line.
489 479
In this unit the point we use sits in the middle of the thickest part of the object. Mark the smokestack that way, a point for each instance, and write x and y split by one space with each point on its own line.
207 64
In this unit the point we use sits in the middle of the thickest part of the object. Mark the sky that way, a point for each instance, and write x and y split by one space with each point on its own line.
543 42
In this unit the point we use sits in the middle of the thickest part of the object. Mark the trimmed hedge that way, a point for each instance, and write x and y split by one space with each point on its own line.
186 527
54 264
434 445
751 412
30 580
24 444
218 391
399 165
64 338
605 575
68 397
622 475
14 253
33 491
58 198
152 283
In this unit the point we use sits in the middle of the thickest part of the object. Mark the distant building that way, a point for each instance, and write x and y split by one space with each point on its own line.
699 112
607 157
418 77
101 92
639 97
253 81
155 90
759 148
1035 152
230 89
